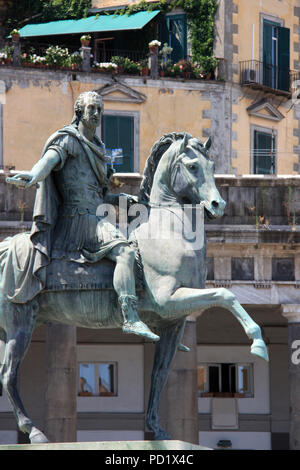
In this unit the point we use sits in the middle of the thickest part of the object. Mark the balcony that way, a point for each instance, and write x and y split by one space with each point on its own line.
269 78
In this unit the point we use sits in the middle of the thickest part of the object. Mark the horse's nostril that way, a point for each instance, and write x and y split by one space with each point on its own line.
215 204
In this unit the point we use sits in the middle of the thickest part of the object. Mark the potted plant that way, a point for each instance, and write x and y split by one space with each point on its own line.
144 65
75 60
85 40
174 71
57 57
15 35
131 67
6 55
107 67
208 65
154 45
165 62
185 68
119 61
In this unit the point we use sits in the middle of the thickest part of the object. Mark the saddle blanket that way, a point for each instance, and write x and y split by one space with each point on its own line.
67 275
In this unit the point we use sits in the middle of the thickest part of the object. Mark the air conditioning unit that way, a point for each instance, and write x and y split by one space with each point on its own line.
250 76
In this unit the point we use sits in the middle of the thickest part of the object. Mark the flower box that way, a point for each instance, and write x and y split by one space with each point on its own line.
145 71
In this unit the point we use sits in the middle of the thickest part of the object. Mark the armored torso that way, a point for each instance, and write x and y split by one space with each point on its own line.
81 192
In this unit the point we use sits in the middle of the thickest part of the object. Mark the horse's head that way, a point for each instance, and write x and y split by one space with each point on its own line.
192 176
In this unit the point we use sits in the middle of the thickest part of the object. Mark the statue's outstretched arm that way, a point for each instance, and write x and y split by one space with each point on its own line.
39 172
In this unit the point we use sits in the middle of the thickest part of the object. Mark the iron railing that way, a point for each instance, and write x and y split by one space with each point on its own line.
262 75
105 55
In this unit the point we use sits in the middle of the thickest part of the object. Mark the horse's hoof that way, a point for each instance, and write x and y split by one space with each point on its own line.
162 436
259 349
183 348
37 437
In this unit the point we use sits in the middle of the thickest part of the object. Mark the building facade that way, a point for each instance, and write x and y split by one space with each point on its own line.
251 112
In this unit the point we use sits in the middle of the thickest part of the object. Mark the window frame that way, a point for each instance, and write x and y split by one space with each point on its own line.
271 19
96 377
136 133
207 365
266 130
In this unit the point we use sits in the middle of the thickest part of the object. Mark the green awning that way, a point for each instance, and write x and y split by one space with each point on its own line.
92 24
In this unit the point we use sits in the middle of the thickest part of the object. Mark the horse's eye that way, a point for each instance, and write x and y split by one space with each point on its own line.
192 167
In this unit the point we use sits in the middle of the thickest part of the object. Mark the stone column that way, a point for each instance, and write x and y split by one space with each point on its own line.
16 61
153 58
292 313
180 394
61 384
86 58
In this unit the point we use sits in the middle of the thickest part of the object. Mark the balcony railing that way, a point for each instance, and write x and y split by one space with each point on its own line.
260 75
106 55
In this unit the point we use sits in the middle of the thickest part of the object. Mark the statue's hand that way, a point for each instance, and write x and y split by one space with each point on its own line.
132 199
23 180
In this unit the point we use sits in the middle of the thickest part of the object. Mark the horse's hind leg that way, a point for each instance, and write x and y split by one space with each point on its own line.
19 325
165 350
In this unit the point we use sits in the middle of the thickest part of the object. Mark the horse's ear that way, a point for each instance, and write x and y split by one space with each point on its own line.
208 143
184 143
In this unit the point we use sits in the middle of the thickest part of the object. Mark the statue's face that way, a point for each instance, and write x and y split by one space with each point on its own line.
92 112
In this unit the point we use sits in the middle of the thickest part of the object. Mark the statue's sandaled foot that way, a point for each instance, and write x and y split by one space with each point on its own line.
259 349
37 437
183 348
139 328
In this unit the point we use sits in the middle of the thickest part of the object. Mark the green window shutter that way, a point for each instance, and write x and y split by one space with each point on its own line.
267 43
284 58
174 32
118 134
268 59
264 153
276 56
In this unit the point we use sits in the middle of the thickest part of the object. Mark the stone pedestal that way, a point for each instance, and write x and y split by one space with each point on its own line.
114 447
292 313
16 60
180 395
153 56
86 58
61 384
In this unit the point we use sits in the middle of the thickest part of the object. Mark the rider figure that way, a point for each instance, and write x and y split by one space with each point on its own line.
75 158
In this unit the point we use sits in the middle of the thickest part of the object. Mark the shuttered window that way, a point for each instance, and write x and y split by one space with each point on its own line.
118 135
264 153
276 56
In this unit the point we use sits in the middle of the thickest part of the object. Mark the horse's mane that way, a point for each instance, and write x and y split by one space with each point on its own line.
157 151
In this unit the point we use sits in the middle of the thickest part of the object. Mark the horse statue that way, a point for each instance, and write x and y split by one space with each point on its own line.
171 270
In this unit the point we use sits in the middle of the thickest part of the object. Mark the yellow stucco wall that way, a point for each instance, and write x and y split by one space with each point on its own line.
32 113
39 108
285 157
250 13
246 14
113 3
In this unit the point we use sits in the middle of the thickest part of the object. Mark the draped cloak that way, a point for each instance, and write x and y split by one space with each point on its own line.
24 257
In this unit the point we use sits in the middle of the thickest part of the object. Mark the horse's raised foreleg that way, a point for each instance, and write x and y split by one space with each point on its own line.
19 325
165 350
186 301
